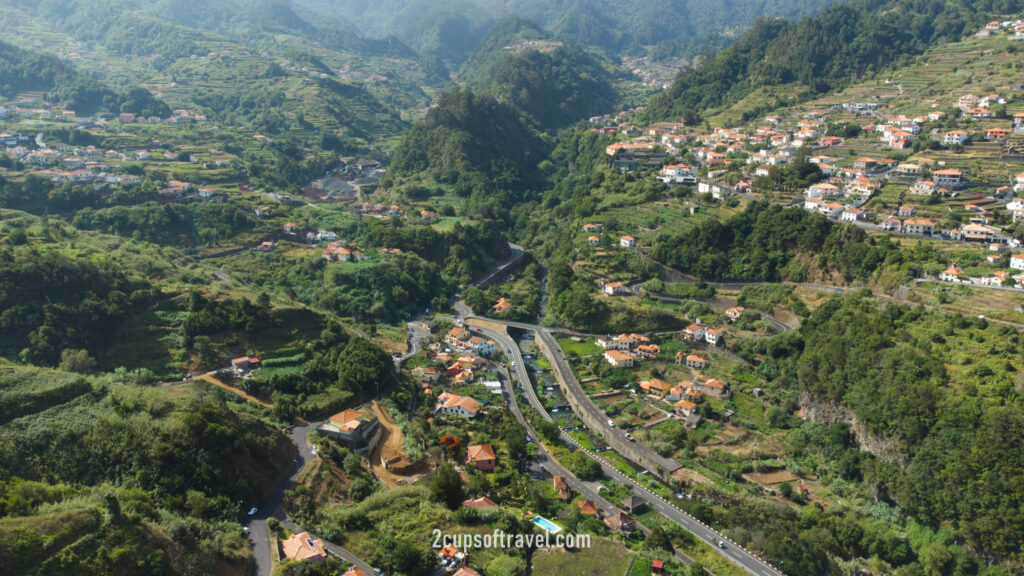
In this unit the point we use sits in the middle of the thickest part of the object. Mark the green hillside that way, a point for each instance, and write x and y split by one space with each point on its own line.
212 66
822 53
477 148
558 88
497 44
105 477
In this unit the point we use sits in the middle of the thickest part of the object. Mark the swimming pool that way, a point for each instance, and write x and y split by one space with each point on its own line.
547 524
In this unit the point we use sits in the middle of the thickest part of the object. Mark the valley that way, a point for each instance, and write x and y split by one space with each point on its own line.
289 288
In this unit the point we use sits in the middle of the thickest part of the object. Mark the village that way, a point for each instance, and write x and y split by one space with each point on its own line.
953 171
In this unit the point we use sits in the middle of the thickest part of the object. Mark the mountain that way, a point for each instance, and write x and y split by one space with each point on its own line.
823 52
556 88
451 29
61 83
199 68
521 65
474 146
24 71
264 21
496 44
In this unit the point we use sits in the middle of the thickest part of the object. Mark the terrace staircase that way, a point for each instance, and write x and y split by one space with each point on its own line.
1013 147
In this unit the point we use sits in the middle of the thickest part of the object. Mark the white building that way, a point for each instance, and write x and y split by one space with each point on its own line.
954 137
853 215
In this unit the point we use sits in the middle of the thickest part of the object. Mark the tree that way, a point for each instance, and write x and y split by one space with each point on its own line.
786 489
353 464
583 466
446 487
451 445
658 539
504 565
476 299
399 557
17 237
360 489
76 361
207 352
515 441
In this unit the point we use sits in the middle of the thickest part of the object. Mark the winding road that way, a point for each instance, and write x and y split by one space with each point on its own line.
259 532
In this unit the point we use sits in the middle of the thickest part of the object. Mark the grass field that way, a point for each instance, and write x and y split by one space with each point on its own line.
605 557
586 348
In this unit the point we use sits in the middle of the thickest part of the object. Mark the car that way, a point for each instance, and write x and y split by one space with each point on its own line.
611 423
721 544
253 511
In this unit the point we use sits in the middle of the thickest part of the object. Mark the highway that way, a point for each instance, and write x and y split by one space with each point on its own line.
595 417
589 490
734 552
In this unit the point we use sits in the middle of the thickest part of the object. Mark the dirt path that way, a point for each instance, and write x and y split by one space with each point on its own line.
392 449
209 377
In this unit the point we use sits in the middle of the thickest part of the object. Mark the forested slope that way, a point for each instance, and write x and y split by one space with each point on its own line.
824 52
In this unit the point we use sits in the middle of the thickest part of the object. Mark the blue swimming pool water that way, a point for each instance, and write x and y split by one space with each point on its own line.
547 524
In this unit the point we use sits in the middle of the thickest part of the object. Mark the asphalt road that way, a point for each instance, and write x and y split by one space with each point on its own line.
517 256
515 357
259 532
735 553
610 433
542 458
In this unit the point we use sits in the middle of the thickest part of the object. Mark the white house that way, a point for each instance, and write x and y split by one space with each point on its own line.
677 174
954 137
949 178
481 345
951 274
852 214
1017 261
892 224
627 242
615 289
832 209
695 332
618 358
821 190
616 343
448 403
923 188
920 227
